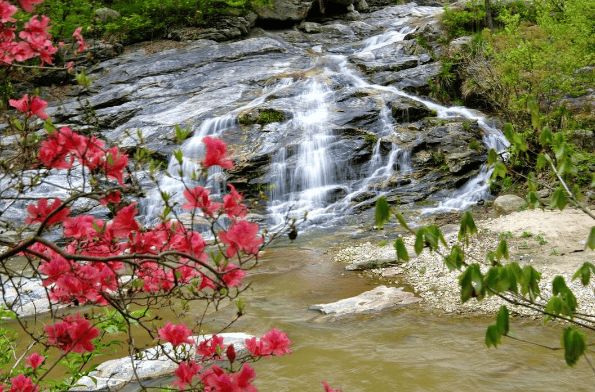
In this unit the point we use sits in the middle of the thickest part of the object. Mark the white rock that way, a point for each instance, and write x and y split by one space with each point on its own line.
379 299
151 364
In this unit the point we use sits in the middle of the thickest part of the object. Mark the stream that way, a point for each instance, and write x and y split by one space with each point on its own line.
349 134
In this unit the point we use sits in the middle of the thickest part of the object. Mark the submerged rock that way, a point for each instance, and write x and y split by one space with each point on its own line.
373 301
151 365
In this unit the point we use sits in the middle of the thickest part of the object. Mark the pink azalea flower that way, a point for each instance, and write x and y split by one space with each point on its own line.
34 360
175 334
7 10
216 153
28 5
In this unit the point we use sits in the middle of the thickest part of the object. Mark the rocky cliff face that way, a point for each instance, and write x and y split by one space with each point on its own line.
322 117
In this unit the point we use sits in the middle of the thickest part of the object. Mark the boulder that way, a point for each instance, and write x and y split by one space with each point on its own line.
373 301
507 204
105 14
408 110
361 5
283 11
151 364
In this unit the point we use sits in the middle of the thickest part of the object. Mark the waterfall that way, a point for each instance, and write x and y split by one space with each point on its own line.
304 186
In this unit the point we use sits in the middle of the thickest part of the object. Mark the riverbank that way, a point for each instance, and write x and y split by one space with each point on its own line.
552 242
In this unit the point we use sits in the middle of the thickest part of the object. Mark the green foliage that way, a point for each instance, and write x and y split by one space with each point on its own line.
140 19
574 345
495 332
402 254
382 214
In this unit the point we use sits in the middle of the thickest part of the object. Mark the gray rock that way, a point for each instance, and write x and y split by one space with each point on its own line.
507 204
377 300
310 27
362 265
361 5
284 11
407 110
459 44
151 364
29 298
105 14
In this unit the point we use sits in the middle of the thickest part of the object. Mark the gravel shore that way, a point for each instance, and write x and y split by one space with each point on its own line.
553 242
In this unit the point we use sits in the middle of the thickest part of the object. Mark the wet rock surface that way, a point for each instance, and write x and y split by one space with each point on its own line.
318 117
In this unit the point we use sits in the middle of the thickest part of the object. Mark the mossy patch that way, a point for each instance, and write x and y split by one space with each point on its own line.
261 117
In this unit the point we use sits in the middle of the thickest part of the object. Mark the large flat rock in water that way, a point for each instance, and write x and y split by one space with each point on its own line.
152 364
373 301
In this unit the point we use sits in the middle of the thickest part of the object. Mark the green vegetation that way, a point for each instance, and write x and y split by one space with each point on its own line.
262 117
139 19
532 69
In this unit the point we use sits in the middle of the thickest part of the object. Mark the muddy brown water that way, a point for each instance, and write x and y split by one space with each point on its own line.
404 349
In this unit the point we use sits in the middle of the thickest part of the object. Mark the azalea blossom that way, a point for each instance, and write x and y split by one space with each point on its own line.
7 10
274 342
82 45
327 387
29 5
21 383
211 347
34 360
232 204
185 373
74 334
124 223
175 334
233 275
31 107
241 236
198 197
41 210
216 153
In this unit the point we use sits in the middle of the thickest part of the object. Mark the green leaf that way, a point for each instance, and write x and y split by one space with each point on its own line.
468 227
532 199
179 155
382 213
49 126
502 320
545 136
591 240
559 199
433 237
584 272
574 345
471 282
530 282
402 254
492 157
419 240
508 131
493 338
456 259
402 221
500 170
502 250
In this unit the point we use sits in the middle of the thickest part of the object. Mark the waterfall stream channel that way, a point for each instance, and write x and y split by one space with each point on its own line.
323 122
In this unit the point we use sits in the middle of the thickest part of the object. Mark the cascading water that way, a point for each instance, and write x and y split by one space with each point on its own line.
305 185
306 173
